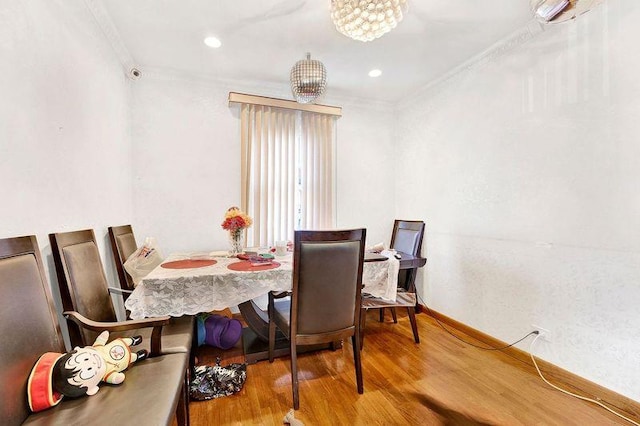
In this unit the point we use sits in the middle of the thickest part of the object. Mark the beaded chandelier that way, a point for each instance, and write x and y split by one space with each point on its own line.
308 80
366 20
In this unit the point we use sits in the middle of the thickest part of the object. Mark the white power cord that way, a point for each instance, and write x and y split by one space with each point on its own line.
584 398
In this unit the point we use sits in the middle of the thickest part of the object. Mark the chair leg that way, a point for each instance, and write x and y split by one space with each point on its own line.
357 361
294 374
414 325
394 315
381 315
272 338
182 410
192 354
363 320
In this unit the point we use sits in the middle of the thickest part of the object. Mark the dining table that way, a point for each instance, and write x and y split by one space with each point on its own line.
193 283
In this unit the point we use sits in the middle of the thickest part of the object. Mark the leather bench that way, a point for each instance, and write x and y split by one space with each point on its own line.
152 394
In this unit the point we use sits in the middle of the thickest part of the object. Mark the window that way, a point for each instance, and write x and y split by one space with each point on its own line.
288 159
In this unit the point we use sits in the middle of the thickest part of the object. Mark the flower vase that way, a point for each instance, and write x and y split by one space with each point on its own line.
235 241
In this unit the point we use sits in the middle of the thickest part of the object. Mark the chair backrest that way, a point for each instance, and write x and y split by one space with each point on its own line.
28 324
83 285
407 236
123 244
327 281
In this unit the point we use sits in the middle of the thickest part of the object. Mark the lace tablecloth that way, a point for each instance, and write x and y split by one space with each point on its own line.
179 292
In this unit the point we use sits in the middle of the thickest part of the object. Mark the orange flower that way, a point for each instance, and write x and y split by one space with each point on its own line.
235 219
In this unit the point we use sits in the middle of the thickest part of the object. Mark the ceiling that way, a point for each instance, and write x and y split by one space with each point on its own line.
262 39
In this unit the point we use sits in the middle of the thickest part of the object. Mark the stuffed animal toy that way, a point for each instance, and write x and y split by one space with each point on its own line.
78 372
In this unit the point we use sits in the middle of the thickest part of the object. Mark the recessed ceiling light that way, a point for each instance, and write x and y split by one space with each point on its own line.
212 42
375 73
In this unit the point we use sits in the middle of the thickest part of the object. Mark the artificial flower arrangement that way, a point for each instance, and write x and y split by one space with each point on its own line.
236 221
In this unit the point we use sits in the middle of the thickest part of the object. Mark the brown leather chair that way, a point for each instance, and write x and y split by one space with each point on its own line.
406 238
324 305
153 390
123 244
84 289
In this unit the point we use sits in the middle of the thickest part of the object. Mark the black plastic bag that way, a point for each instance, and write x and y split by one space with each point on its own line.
215 381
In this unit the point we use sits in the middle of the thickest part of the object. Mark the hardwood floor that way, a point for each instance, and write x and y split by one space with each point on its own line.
440 381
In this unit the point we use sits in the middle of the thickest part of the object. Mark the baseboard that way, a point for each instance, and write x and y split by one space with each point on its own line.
553 373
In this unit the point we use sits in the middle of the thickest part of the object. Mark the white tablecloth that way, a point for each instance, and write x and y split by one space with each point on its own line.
178 292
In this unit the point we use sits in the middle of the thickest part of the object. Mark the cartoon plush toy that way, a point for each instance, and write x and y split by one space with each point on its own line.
78 372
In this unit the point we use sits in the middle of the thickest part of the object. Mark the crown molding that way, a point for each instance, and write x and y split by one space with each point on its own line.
479 61
260 88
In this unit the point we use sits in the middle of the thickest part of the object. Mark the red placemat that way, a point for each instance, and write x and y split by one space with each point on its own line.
245 266
189 263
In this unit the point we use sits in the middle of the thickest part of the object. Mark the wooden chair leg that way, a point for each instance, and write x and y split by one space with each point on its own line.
194 349
272 328
363 320
414 325
272 338
394 315
182 410
357 361
381 315
294 374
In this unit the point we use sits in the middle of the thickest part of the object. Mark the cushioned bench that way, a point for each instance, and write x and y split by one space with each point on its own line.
152 394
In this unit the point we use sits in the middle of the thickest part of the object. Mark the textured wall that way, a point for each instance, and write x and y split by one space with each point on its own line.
186 152
365 181
524 164
65 159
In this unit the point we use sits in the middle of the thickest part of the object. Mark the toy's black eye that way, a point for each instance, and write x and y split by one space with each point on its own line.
90 368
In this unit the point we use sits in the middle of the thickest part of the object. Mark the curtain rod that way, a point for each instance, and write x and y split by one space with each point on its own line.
243 98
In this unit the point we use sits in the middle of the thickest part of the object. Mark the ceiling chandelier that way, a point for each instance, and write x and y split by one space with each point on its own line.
555 11
546 10
366 20
308 80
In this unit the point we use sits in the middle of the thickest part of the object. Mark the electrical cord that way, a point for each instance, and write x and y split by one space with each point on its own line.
464 341
584 398
537 333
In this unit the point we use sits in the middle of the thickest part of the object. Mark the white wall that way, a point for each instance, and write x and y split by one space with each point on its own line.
65 158
525 166
366 170
187 162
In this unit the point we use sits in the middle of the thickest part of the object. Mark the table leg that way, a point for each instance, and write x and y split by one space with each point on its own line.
255 337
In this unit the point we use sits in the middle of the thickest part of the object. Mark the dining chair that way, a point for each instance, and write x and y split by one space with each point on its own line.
84 289
123 244
324 304
406 238
29 328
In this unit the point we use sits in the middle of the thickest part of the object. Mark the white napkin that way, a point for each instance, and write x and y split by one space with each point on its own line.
376 248
392 277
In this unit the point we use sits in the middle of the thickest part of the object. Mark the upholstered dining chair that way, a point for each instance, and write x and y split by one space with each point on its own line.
324 305
84 289
406 238
154 389
123 244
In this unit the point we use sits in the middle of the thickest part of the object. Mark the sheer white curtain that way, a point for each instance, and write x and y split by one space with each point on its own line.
287 172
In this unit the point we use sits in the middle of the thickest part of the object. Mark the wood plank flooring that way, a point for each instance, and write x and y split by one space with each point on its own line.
440 381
